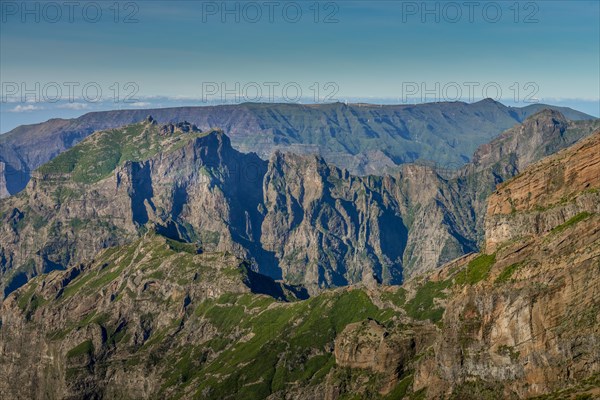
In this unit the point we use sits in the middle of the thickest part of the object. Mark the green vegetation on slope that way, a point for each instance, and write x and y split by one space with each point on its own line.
83 348
506 274
423 306
98 155
476 270
258 346
288 344
396 297
577 218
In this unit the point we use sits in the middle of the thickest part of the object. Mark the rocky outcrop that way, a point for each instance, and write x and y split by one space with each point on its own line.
295 217
369 345
547 195
523 320
3 188
180 127
535 138
539 136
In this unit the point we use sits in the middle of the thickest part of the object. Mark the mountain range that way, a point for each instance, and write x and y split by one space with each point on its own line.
327 252
295 217
154 239
363 138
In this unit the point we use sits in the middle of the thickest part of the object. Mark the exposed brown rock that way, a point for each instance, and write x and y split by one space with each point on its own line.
531 326
367 345
546 195
3 189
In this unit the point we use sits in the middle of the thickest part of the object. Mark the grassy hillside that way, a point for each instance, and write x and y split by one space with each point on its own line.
98 155
152 297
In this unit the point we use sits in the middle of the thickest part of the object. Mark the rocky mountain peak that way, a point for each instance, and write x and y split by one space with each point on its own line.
297 161
179 127
539 135
546 117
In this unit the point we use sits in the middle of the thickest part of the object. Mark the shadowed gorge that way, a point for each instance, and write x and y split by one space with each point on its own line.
300 200
155 260
295 217
159 318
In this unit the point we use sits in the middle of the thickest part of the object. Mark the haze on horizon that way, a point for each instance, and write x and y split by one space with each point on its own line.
149 54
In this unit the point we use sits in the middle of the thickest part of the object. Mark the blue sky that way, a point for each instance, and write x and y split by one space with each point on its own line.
170 53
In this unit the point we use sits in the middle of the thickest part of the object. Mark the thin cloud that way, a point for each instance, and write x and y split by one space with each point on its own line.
140 104
74 106
27 108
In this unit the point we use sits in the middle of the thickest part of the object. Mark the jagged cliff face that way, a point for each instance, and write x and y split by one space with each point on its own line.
539 136
295 217
528 322
3 188
155 318
563 186
446 208
326 225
